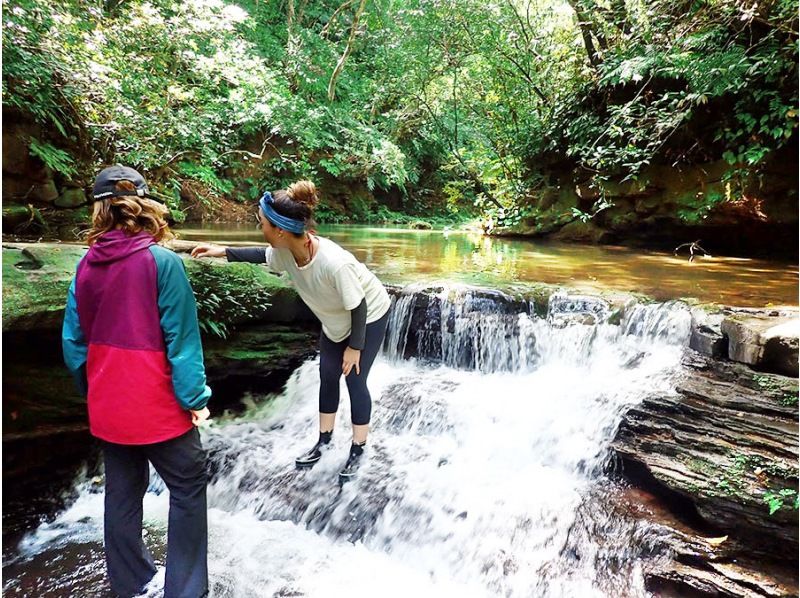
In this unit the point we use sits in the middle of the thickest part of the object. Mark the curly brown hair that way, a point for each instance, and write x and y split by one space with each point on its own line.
129 213
298 202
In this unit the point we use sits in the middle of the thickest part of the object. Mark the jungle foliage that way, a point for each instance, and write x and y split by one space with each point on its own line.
452 104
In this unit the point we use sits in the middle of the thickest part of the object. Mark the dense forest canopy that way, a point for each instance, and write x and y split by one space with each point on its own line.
450 104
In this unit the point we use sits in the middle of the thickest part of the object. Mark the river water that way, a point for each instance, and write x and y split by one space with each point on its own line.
484 473
403 256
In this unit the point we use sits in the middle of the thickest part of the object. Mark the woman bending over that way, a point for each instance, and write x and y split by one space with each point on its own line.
349 300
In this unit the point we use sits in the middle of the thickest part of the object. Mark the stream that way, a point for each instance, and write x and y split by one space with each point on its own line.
404 256
486 472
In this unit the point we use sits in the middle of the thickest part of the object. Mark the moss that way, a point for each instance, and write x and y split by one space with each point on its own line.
783 390
35 283
15 215
259 344
746 477
36 278
538 296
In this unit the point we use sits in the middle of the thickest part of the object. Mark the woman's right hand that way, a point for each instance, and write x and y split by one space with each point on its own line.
208 251
199 416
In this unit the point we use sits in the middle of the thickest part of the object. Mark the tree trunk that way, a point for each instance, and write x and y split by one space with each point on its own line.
340 65
585 24
290 28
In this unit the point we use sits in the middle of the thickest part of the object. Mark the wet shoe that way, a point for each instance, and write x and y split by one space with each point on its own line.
353 462
310 459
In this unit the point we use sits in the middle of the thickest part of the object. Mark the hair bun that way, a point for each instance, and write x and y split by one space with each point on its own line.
304 192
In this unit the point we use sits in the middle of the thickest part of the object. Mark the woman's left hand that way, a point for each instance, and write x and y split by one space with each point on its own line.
352 357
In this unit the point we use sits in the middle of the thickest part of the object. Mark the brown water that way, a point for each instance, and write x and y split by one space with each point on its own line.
402 256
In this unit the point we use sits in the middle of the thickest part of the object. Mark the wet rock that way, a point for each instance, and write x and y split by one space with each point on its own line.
257 359
727 442
581 309
707 337
765 341
724 580
446 324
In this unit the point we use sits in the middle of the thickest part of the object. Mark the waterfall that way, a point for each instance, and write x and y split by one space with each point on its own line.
492 332
484 470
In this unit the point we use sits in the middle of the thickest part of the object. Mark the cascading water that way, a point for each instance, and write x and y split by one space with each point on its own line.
484 470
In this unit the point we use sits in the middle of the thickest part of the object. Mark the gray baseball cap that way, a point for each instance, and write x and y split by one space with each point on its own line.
106 181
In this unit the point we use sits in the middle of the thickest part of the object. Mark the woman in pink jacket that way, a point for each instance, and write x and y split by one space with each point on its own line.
132 342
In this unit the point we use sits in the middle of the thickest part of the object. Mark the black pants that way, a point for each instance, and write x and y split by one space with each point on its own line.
181 462
330 370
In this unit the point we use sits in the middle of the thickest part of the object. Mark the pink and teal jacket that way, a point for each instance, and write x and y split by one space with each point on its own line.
131 339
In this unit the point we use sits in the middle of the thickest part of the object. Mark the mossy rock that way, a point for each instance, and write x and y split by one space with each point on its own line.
583 232
628 188
14 215
71 197
36 278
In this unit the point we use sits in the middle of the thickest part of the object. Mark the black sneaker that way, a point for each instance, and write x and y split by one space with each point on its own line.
353 462
315 454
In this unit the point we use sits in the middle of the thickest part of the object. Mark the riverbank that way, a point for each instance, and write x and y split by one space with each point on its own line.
664 208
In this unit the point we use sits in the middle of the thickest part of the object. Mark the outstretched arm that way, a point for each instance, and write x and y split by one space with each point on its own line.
253 255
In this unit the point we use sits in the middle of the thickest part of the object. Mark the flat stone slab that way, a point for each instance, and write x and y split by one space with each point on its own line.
764 341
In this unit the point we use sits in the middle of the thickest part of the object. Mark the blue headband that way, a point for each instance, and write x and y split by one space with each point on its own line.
286 223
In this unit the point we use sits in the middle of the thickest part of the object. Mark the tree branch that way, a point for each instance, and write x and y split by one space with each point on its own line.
348 48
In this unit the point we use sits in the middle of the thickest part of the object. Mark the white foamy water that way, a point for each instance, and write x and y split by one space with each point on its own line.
477 482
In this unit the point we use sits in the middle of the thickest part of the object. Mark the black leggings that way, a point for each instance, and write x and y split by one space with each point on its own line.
330 370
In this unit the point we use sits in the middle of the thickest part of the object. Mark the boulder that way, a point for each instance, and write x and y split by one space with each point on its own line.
71 197
706 335
766 342
44 192
781 348
582 232
17 159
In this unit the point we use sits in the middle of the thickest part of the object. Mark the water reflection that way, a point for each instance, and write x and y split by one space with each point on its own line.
403 256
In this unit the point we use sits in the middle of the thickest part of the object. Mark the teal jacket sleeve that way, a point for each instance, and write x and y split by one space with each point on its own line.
73 342
178 312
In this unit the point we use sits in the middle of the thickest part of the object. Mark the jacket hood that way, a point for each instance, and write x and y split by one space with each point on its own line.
116 245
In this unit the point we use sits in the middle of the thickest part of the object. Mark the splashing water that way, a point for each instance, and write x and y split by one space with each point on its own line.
483 474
